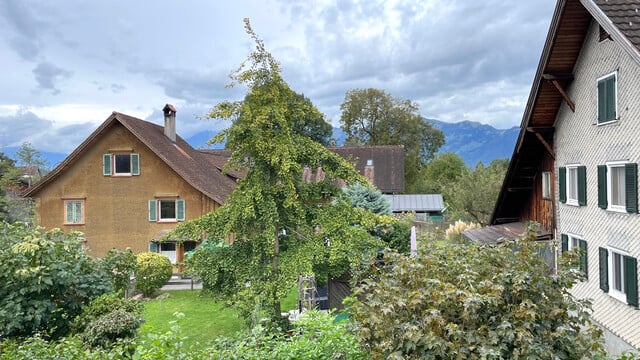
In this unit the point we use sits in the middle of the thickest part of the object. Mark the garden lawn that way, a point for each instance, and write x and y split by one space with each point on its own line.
204 318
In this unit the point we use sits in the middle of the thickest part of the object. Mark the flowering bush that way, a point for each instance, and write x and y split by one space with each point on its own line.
152 271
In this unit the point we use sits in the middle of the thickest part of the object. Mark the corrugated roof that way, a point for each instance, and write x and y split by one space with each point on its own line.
194 167
416 202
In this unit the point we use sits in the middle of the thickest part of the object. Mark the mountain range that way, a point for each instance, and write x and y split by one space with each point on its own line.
473 141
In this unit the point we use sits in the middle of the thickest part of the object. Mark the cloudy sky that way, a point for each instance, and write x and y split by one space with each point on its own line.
66 65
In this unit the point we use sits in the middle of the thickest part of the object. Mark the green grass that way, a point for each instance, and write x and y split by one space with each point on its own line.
204 319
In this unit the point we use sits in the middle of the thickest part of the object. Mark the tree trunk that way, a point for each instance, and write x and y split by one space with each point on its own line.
274 267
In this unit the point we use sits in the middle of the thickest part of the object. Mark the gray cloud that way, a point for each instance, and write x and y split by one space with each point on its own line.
23 28
24 125
118 88
48 74
64 139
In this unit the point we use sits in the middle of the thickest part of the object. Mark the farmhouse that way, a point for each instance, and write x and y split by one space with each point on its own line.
574 167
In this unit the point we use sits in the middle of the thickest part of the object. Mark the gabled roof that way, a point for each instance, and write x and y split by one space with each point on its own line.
620 19
194 167
388 163
416 202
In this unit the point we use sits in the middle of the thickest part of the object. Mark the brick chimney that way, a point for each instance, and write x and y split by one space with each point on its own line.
369 172
170 122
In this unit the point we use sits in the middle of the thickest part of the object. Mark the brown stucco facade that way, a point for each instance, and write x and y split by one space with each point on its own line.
116 207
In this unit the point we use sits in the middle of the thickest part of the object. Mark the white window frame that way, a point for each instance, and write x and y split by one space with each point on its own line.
604 77
82 212
114 171
171 254
175 210
546 184
610 206
617 294
572 184
570 241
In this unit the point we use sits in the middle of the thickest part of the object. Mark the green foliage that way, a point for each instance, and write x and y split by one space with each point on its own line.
120 265
464 301
374 117
213 262
108 318
46 279
315 336
368 198
475 193
266 139
37 347
397 236
439 175
153 270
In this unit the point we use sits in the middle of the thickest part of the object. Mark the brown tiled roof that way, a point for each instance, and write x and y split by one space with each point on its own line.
388 163
625 15
218 158
193 166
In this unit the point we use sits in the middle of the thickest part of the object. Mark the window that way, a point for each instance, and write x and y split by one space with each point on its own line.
166 210
167 249
546 185
607 98
619 275
122 164
618 186
73 212
574 242
572 181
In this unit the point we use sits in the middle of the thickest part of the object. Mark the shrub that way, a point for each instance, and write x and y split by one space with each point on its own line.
455 230
120 265
108 318
397 236
464 301
45 281
152 271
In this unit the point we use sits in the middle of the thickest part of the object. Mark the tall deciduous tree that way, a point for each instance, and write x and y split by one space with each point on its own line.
374 117
32 161
441 174
475 193
271 212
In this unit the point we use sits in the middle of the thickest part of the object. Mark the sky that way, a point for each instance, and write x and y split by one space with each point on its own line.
66 65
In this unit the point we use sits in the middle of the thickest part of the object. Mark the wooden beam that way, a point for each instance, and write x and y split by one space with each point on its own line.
566 98
546 145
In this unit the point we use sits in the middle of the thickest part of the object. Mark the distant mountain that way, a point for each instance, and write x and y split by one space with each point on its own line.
475 142
471 140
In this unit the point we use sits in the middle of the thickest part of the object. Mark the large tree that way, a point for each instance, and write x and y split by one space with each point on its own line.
475 193
272 214
441 174
374 117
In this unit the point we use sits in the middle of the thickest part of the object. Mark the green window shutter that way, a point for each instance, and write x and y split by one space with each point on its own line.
602 102
631 187
565 242
604 269
584 265
69 212
562 184
611 98
582 185
135 164
180 209
106 164
602 186
631 280
153 210
153 247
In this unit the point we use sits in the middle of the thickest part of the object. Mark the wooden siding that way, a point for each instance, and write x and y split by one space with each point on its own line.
539 209
116 208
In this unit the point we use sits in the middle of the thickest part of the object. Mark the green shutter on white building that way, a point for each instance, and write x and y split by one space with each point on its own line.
631 280
602 186
562 184
631 187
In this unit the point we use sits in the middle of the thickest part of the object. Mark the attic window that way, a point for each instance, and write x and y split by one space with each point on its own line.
120 164
604 35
